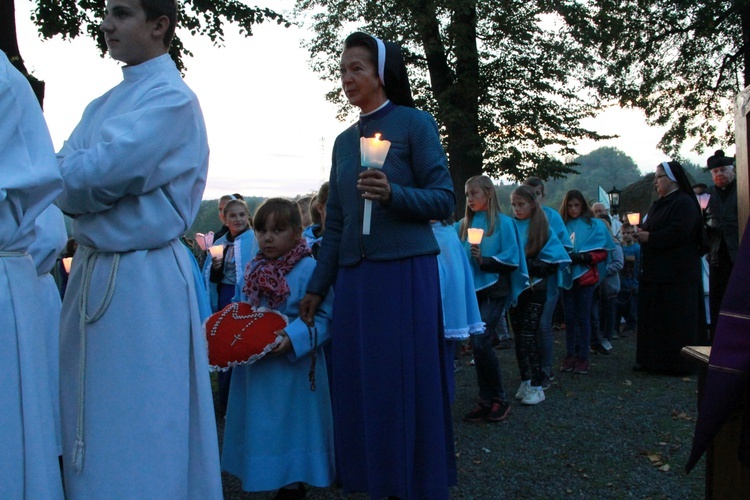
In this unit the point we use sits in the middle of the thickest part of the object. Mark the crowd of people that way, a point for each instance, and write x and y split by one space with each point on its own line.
358 387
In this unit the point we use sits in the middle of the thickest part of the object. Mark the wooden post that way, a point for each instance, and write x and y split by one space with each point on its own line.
742 137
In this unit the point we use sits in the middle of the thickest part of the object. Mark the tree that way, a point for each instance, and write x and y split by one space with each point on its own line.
681 61
71 18
605 167
506 81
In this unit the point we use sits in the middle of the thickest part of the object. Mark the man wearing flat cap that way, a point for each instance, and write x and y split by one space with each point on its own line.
724 234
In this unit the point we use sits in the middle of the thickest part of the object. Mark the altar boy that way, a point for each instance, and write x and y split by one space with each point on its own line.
137 415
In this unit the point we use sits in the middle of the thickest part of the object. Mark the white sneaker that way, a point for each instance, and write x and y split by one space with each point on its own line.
606 344
523 389
534 396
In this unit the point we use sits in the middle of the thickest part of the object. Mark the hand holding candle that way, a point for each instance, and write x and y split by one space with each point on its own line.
373 152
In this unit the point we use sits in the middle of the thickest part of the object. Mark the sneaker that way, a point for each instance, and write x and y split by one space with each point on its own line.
546 381
599 349
615 336
498 411
297 493
582 367
535 395
456 365
607 344
523 389
481 410
568 363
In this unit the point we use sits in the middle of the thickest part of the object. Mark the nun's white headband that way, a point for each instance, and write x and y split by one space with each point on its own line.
668 171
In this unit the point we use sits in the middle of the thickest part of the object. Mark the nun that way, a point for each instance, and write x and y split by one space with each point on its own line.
670 297
392 419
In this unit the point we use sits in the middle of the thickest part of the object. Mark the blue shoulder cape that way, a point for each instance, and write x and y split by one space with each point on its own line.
503 246
245 248
553 252
587 238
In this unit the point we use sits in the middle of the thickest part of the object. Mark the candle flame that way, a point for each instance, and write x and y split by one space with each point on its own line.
377 136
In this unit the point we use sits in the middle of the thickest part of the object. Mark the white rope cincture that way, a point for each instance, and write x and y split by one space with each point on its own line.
88 259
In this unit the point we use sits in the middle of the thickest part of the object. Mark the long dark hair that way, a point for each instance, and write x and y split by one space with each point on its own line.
575 194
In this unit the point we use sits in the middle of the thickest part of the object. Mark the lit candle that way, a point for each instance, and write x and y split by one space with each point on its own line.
703 200
475 235
217 251
372 153
67 262
573 238
634 219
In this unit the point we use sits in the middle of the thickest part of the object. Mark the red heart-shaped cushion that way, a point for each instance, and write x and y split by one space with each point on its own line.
239 334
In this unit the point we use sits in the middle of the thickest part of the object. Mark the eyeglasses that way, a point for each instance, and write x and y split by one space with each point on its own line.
659 176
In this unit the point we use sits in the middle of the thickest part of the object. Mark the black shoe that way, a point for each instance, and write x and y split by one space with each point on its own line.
297 493
546 381
498 411
503 344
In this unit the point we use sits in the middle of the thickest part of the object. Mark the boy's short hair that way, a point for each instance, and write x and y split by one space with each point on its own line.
626 225
154 9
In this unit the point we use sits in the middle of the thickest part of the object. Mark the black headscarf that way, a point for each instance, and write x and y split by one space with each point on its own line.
389 62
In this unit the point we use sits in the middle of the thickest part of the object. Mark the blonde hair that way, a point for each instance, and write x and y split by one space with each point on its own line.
493 205
538 224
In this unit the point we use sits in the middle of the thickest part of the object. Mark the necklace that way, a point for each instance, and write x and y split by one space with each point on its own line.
233 309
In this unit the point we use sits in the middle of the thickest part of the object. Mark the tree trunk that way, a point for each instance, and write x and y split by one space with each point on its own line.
9 45
456 94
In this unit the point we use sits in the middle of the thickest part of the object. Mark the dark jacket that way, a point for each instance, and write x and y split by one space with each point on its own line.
672 253
722 222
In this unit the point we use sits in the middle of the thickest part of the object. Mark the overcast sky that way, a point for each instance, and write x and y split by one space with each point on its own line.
270 128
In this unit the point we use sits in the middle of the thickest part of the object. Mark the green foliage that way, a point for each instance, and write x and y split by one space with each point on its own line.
507 82
208 215
71 18
681 61
605 167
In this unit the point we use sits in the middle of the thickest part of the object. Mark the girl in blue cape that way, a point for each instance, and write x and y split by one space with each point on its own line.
499 270
545 259
461 316
224 274
279 429
591 242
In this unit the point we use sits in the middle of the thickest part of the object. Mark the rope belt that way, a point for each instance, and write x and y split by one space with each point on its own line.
87 256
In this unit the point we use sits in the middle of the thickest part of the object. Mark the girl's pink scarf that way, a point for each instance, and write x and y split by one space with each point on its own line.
267 277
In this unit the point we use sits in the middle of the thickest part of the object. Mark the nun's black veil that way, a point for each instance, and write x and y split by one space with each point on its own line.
394 77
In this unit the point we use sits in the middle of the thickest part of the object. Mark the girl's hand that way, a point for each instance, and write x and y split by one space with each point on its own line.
216 262
283 346
308 306
374 185
641 236
476 253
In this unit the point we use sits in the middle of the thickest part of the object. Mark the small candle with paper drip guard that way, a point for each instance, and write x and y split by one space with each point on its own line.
634 219
217 251
67 263
475 235
372 154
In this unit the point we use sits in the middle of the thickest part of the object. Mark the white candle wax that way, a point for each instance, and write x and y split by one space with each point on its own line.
373 152
67 262
475 235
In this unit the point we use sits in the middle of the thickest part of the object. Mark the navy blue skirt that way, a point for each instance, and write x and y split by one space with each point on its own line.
392 419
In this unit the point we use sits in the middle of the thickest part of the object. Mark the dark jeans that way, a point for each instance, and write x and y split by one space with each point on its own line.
607 314
627 307
577 304
525 318
489 378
